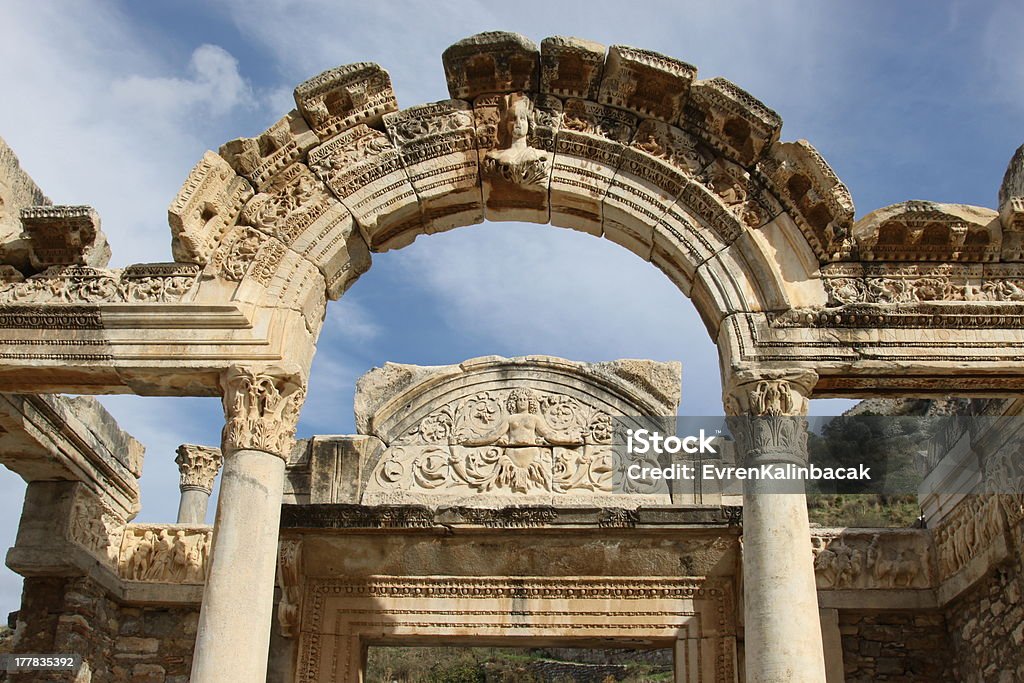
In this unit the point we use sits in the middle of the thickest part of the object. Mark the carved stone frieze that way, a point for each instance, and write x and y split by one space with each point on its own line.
618 518
964 533
510 517
922 283
928 231
259 159
247 251
740 192
96 527
165 554
346 516
64 235
492 62
365 171
345 96
437 144
197 467
571 67
646 83
206 206
148 282
261 410
871 559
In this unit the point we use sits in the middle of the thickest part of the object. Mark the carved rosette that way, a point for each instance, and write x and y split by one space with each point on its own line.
767 416
198 467
261 410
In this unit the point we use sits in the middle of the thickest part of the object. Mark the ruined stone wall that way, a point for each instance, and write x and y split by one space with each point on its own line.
894 646
986 623
118 644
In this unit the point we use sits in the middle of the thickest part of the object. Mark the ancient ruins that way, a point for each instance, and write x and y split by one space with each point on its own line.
474 505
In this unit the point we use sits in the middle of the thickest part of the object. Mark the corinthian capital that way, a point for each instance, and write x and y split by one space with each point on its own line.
198 467
261 409
767 415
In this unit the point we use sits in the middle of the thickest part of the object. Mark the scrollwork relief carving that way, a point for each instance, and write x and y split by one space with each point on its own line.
156 282
517 441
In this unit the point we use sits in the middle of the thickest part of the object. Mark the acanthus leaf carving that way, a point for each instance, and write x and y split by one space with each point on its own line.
261 410
198 467
767 416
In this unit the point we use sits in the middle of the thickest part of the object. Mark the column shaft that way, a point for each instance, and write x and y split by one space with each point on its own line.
782 631
192 506
233 639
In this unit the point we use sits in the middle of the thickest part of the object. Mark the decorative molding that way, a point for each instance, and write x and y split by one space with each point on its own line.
511 517
142 283
343 516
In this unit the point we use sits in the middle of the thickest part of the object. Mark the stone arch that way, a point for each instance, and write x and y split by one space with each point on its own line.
693 180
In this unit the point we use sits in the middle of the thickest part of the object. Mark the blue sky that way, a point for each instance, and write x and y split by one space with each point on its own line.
111 103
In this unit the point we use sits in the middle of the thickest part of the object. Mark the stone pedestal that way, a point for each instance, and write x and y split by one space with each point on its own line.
781 623
232 642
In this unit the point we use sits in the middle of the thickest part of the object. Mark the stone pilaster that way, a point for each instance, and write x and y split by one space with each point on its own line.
782 632
197 467
261 409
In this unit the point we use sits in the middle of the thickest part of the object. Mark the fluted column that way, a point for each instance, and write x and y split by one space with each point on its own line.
261 409
782 631
197 468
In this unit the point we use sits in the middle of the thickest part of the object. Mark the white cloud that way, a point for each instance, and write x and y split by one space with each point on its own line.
100 117
213 87
351 322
